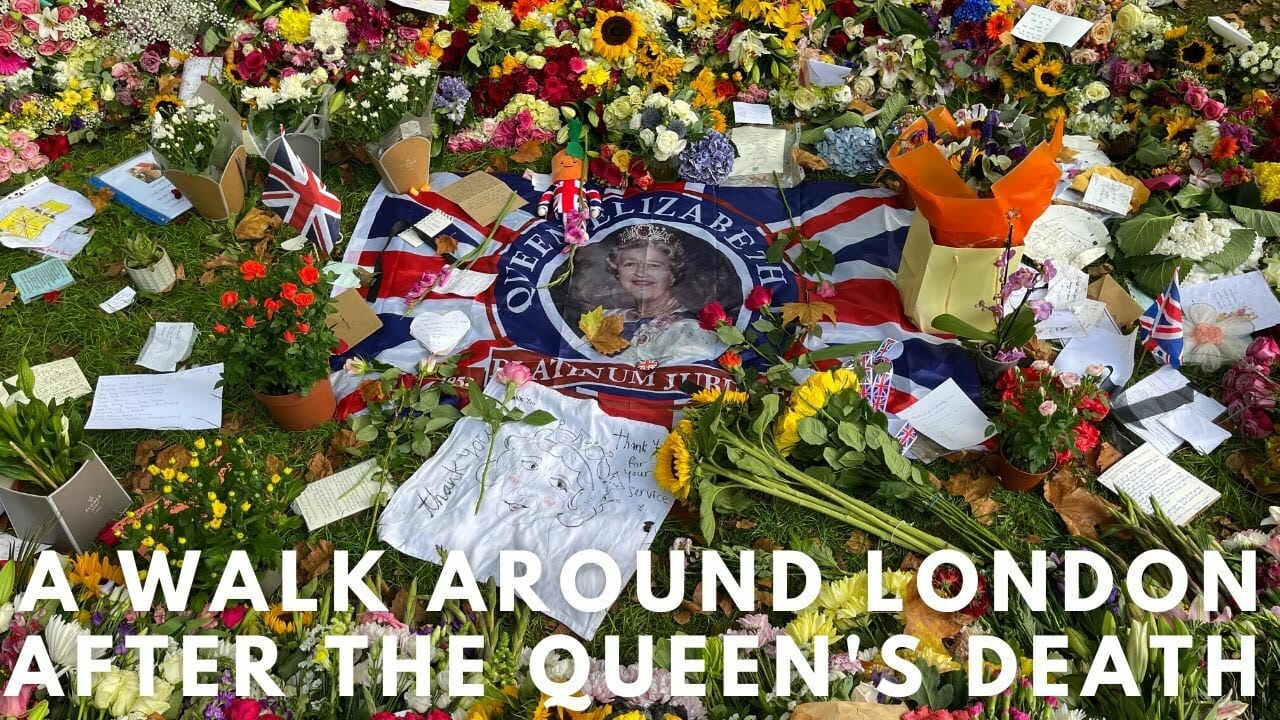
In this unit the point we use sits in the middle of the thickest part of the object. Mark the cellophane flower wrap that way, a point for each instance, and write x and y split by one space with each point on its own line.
959 216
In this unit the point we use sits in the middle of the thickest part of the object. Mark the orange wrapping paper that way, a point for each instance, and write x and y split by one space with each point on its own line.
957 216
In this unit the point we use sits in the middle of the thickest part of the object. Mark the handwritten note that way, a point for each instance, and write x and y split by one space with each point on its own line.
948 417
1107 194
119 301
434 223
1071 321
45 277
1247 294
752 113
194 70
466 283
1164 425
1146 476
761 151
186 400
69 243
168 344
440 332
56 381
340 495
1039 24
480 195
1067 235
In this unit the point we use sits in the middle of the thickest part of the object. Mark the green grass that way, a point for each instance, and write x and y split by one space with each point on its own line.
109 344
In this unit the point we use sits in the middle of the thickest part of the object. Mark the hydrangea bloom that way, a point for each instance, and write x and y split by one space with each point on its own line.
851 150
708 160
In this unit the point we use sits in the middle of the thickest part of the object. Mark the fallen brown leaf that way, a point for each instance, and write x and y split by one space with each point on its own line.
207 277
179 272
314 559
809 161
1033 539
114 269
262 248
64 350
745 524
100 198
174 455
274 465
498 164
139 482
765 544
222 260
604 332
529 152
145 451
6 296
1038 349
858 543
681 616
341 445
446 244
1081 511
975 489
346 175
808 314
1254 469
927 624
232 423
401 611
1108 455
318 467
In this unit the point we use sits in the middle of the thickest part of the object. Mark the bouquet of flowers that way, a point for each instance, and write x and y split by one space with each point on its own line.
19 154
663 126
983 145
288 102
273 333
217 497
1047 418
380 94
188 136
1248 390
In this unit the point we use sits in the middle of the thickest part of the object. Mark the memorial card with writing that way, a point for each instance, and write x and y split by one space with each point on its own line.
1146 475
583 482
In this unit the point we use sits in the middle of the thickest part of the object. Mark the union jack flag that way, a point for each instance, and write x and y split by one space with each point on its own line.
301 199
881 387
906 436
1161 326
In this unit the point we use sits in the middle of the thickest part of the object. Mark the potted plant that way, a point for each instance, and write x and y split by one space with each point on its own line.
200 147
1046 419
1014 311
148 264
388 111
56 489
274 338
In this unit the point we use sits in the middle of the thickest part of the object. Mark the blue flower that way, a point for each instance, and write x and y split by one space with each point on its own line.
851 151
708 160
973 11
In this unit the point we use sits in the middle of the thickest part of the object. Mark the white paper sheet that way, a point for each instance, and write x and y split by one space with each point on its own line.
11 545
827 75
119 301
58 381
435 7
1248 292
752 114
1103 345
434 223
186 400
539 181
761 151
467 283
1067 235
1072 320
1229 32
1146 474
440 333
1192 424
1040 24
36 214
1164 432
69 243
947 416
194 70
168 344
582 482
1107 194
339 495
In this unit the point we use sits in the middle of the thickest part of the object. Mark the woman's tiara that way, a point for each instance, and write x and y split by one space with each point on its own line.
648 233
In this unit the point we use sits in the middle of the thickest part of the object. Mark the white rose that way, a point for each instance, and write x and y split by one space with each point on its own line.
842 95
863 86
157 703
442 39
170 668
1249 59
1266 65
6 615
804 99
646 135
535 62
1096 91
667 145
851 27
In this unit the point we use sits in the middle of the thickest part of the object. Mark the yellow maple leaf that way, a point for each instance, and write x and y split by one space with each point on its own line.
603 332
808 314
256 224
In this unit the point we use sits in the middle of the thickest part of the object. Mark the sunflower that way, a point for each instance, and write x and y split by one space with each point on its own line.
807 401
166 105
674 471
282 623
89 571
1213 70
707 396
1028 56
1196 53
1046 74
1175 33
1176 125
616 35
1054 114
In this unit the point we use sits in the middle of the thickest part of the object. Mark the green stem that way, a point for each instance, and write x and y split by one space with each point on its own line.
466 261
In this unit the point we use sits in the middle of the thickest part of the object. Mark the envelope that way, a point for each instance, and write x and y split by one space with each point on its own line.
1123 308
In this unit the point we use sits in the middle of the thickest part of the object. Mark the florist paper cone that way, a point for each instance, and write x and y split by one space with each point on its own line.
844 710
957 216
309 149
404 165
214 199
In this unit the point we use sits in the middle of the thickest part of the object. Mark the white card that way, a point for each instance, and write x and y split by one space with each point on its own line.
168 344
1039 24
440 333
947 416
433 224
1107 194
1229 32
1247 294
1146 475
752 114
410 128
539 181
435 7
1066 235
340 495
194 70
187 400
119 301
59 381
69 243
825 74
1071 321
466 283
1103 345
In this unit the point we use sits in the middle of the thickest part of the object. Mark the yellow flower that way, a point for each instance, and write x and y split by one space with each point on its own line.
166 489
295 25
706 396
1046 74
596 74
1267 175
168 473
1176 33
164 104
896 582
195 462
200 444
1054 114
90 570
1177 124
845 600
148 541
160 548
936 657
807 401
275 619
1196 53
215 524
717 120
219 508
810 624
244 507
616 35
674 469
153 470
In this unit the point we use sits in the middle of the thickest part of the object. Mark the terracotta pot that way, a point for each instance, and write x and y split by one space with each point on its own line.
1015 478
301 412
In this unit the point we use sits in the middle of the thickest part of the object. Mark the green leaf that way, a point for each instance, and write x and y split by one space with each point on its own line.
1140 235
538 418
851 435
368 433
778 248
1236 251
831 352
6 581
707 494
768 411
473 55
421 446
813 432
730 335
895 461
1263 222
748 463
948 323
890 109
1154 273
878 438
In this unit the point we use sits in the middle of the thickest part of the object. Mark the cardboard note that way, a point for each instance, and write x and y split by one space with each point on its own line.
752 114
1147 476
119 301
481 196
1123 308
352 320
46 277
761 151
440 333
56 381
1247 294
340 495
1107 194
187 400
1040 24
948 417
168 344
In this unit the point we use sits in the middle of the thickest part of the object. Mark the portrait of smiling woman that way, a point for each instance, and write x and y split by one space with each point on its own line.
655 278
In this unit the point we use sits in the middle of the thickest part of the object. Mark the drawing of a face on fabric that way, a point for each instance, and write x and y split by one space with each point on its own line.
552 477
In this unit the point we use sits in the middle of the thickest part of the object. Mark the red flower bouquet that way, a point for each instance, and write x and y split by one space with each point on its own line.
1047 418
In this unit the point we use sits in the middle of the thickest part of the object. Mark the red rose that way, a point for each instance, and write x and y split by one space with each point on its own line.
309 275
382 715
289 337
437 714
302 299
844 8
230 298
759 297
342 347
252 270
288 290
54 146
271 305
108 536
220 329
730 360
232 616
1093 407
250 322
838 44
252 68
712 316
244 709
1087 436
304 328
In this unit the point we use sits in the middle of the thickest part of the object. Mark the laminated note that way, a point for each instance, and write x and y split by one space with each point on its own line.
340 495
1146 476
1107 194
761 151
752 114
1040 24
45 277
59 381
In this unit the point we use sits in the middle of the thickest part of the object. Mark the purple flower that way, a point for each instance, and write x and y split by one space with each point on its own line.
708 160
1041 309
1022 279
1014 355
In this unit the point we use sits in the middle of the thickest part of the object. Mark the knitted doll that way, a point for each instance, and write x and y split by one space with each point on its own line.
569 197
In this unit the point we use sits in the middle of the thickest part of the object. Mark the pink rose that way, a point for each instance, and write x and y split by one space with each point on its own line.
4 174
150 61
6 154
47 48
17 138
66 46
577 65
826 290
1263 351
8 23
270 24
39 162
122 70
6 38
30 25
26 7
514 373
1196 97
65 13
1256 423
29 152
1048 407
1213 110
17 166
406 32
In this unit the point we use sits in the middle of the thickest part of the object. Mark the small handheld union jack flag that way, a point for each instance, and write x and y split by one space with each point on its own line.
1160 328
301 199
906 436
881 388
